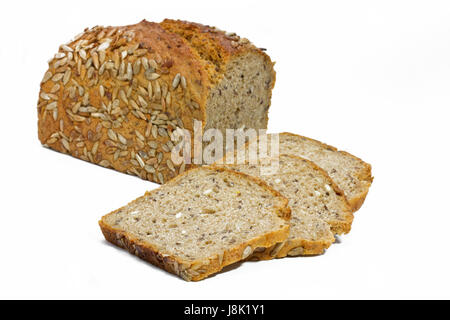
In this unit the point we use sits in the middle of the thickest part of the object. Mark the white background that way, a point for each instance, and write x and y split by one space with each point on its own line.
369 77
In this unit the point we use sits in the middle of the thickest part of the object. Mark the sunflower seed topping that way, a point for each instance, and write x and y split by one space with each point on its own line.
47 76
151 75
140 161
66 48
176 81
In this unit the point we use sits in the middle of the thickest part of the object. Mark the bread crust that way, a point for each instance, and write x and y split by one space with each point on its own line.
177 97
198 269
365 176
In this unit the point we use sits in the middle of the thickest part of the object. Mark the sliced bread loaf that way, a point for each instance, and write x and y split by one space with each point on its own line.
200 221
318 206
351 174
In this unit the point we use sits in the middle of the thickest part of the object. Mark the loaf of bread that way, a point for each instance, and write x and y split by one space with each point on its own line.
117 96
200 221
352 175
318 207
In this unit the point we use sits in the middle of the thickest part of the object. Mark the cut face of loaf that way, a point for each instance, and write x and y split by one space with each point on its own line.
119 96
318 208
351 174
201 221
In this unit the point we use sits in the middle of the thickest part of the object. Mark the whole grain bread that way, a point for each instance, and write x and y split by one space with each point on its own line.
319 209
119 96
352 175
200 221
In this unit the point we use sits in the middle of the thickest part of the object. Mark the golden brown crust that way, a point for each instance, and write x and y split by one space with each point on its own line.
115 96
199 269
214 45
365 176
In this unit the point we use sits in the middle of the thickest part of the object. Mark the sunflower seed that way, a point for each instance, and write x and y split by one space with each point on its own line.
133 104
176 81
123 96
66 77
88 63
137 67
142 102
76 107
162 132
295 252
102 56
183 82
103 46
65 144
144 63
160 177
141 115
47 76
78 118
122 139
170 165
111 32
150 90
139 159
153 144
247 252
165 148
55 88
151 75
112 135
57 77
85 101
164 90
276 249
66 48
155 132
157 90
95 148
105 163
51 140
153 64
52 105
60 55
116 59
129 71
139 135
90 72
95 60
44 96
82 54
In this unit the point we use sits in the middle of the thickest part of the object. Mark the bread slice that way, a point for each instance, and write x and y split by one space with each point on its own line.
319 209
351 174
200 222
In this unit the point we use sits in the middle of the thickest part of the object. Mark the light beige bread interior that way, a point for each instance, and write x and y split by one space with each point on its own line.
319 209
200 221
120 96
351 174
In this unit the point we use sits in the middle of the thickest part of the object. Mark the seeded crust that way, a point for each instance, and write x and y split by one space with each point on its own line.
319 230
201 268
362 178
119 96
